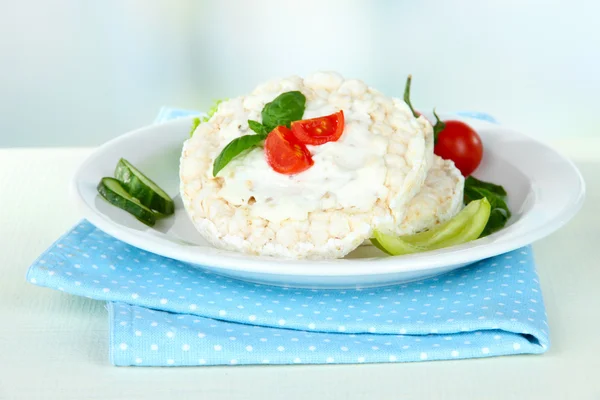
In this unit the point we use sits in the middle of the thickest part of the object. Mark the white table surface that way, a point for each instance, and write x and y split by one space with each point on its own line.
55 346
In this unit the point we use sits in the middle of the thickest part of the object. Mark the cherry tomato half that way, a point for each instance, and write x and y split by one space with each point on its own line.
460 143
320 130
286 154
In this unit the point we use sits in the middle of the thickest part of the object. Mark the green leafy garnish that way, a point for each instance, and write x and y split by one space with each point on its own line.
257 127
407 96
195 124
213 110
235 148
283 110
474 182
438 127
209 114
476 189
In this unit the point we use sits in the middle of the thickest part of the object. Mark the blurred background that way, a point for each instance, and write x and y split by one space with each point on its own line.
77 73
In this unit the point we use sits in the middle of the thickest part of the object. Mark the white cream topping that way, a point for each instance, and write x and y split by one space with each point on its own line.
348 173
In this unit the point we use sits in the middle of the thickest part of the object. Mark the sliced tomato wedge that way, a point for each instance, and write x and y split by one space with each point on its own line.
320 130
285 153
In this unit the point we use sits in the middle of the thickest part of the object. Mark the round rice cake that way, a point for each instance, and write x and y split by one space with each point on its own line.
361 182
440 198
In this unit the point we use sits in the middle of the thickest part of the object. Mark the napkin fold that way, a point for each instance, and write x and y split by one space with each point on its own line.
168 313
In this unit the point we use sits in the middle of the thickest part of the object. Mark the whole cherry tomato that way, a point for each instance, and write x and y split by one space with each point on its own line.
454 140
460 143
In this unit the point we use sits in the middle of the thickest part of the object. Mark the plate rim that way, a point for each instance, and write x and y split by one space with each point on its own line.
216 259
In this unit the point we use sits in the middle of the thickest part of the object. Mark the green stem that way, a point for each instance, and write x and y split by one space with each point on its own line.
407 96
438 127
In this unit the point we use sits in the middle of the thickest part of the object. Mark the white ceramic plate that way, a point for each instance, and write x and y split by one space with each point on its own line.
545 191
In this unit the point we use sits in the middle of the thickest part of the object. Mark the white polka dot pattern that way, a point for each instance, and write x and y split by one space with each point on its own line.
164 312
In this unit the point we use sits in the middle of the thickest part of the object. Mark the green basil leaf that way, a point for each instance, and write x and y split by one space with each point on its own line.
235 148
194 126
475 193
257 127
474 182
499 214
283 110
496 222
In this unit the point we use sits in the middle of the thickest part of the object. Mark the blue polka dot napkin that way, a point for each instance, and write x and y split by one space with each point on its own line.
168 313
164 312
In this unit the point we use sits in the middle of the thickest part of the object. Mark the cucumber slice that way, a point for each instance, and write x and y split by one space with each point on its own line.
142 188
376 243
466 226
445 230
474 227
115 194
394 245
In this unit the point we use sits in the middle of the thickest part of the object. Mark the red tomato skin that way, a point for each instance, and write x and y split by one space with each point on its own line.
285 154
317 131
460 143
